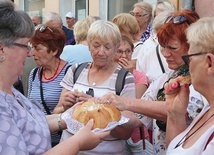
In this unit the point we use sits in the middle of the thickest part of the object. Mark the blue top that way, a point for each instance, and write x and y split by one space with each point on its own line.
76 54
70 40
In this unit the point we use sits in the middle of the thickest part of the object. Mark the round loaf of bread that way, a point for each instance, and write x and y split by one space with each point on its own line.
101 113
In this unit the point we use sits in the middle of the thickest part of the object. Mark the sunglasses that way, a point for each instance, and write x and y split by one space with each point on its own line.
186 57
42 28
29 48
177 20
137 15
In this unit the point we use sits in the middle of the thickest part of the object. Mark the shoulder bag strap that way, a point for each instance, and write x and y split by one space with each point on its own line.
159 59
41 94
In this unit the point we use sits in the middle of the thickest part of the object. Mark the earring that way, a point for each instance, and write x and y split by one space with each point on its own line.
2 58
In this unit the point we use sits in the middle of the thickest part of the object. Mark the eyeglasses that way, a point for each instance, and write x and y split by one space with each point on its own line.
177 20
137 15
42 28
90 92
120 52
186 57
29 48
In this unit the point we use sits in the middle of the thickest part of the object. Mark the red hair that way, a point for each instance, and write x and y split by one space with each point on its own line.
177 31
52 38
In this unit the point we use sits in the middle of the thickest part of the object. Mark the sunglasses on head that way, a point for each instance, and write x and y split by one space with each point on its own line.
177 20
42 28
186 57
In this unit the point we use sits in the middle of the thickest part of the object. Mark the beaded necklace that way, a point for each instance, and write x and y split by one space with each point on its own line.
54 73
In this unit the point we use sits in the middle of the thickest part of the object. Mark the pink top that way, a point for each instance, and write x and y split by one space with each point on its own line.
140 77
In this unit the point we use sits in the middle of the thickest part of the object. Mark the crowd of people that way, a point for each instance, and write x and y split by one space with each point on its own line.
155 46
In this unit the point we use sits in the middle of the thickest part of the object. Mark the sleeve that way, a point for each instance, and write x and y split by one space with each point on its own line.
12 141
64 55
140 77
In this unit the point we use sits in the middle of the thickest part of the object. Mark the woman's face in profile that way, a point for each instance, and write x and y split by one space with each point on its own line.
102 52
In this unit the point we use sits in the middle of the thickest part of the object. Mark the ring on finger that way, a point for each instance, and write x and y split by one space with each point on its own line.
107 101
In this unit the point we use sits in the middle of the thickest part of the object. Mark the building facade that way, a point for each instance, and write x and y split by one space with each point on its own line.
105 9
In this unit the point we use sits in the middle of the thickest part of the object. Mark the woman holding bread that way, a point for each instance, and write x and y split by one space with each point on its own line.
97 79
25 129
152 106
197 139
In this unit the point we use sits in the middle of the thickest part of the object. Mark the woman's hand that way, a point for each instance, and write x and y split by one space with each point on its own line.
88 140
81 96
126 64
68 99
177 97
118 101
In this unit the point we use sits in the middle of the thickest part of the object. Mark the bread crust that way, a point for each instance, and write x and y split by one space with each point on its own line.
101 113
185 80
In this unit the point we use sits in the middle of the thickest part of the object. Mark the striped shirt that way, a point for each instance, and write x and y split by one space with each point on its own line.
51 92
117 146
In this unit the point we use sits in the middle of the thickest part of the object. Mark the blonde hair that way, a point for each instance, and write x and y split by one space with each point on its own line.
81 28
147 7
200 34
126 23
106 31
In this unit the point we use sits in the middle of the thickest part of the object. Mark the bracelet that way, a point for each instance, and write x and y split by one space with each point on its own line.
59 122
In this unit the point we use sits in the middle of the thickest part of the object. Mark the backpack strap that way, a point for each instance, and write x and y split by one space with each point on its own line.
77 70
67 69
34 72
120 82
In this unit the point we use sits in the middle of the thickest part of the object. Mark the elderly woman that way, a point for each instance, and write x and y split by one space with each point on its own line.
44 87
161 6
24 127
123 58
97 79
143 13
129 27
197 139
79 53
172 38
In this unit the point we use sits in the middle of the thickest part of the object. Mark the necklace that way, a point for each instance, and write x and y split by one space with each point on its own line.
54 73
181 141
93 84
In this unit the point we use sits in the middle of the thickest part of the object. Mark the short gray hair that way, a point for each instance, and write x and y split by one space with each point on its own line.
106 31
14 23
200 34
